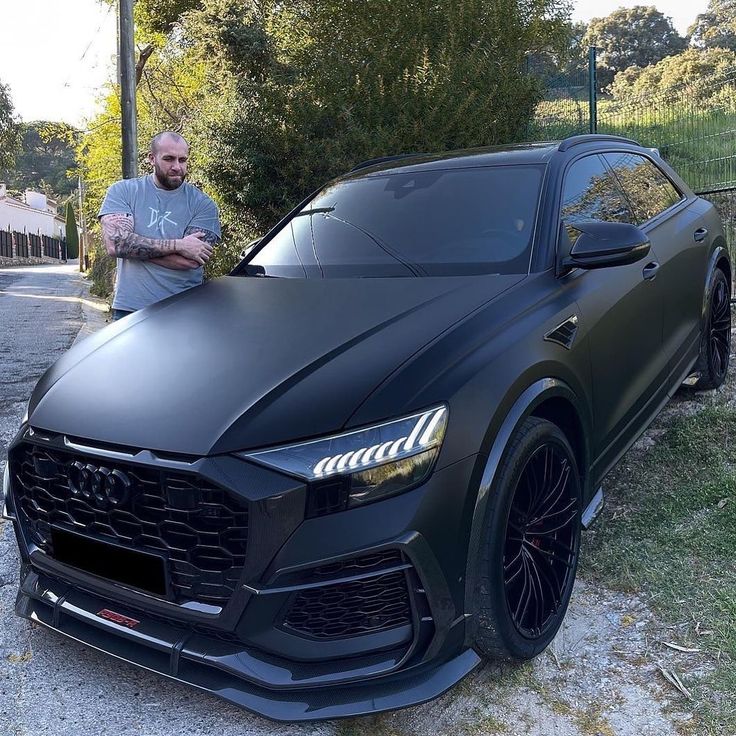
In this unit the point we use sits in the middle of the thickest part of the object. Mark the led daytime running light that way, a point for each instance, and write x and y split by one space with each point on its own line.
359 450
386 451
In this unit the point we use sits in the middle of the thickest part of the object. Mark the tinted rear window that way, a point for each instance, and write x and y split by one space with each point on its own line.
429 223
648 189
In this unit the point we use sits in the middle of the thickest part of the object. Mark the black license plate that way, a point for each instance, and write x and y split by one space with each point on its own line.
127 566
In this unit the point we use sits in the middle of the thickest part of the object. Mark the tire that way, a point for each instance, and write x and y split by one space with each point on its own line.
524 587
715 346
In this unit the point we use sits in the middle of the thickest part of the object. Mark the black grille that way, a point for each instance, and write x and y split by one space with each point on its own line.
198 527
365 606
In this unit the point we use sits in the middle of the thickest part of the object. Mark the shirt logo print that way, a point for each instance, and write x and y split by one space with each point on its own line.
158 220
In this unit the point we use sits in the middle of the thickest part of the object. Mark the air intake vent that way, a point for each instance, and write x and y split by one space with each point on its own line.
336 609
565 333
349 609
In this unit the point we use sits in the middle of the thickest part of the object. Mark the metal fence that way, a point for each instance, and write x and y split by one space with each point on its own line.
693 126
34 245
53 248
6 244
568 98
22 245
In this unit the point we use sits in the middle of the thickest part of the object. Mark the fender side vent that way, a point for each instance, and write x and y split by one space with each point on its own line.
565 333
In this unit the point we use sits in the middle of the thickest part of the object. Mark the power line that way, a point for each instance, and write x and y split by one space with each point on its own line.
89 45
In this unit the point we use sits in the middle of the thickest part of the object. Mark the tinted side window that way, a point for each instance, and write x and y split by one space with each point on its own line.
591 193
648 189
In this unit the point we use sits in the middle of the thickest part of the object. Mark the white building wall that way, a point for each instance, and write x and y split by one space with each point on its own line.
21 218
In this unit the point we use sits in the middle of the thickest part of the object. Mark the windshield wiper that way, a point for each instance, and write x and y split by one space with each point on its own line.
315 211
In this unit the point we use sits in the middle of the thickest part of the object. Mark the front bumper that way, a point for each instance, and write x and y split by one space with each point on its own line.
241 651
225 670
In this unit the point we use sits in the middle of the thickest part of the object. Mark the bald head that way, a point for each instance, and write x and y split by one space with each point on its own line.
167 136
169 156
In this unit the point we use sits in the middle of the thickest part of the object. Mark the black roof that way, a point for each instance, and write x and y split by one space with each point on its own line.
513 153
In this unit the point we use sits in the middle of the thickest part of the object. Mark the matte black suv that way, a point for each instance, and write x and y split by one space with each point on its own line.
370 450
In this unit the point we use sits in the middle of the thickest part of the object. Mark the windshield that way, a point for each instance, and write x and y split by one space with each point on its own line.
447 222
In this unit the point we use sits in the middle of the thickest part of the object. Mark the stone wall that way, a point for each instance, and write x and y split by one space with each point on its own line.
4 262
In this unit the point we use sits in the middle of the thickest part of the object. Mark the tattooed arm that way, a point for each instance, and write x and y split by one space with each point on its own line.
178 262
207 235
122 241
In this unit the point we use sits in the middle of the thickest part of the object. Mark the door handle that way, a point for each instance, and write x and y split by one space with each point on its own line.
700 234
650 271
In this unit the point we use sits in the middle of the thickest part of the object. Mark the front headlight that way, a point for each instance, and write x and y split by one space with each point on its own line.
358 467
24 420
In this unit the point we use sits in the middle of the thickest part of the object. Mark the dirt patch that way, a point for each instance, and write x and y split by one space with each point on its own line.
600 676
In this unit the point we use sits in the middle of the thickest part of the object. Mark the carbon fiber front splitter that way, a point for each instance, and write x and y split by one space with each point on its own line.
189 658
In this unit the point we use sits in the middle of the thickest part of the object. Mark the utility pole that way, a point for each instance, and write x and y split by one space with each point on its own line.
82 228
126 66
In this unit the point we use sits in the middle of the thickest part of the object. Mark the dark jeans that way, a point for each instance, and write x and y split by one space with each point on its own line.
119 314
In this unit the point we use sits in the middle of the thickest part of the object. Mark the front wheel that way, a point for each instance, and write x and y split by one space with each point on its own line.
715 346
530 544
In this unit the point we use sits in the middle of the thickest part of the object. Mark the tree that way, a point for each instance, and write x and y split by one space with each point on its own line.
9 129
636 36
45 159
693 69
277 98
300 92
716 28
561 67
158 17
72 233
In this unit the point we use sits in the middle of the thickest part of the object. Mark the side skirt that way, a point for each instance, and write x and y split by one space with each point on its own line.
593 509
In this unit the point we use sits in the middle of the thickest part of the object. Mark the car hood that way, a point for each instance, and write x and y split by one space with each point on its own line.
248 362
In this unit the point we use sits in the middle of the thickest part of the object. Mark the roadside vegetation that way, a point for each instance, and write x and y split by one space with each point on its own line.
668 535
45 160
9 129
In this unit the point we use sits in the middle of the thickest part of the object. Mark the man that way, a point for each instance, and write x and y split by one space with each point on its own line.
160 228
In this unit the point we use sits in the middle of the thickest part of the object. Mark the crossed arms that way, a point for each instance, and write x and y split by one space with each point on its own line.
191 251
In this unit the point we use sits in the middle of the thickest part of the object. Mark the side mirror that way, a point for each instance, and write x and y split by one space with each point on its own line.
252 244
603 244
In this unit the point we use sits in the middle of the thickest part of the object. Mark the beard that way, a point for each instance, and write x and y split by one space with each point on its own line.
168 182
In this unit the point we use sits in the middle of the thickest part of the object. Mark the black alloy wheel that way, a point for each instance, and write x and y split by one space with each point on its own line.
530 545
540 547
716 344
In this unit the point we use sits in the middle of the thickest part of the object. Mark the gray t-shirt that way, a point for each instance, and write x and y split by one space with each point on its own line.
163 215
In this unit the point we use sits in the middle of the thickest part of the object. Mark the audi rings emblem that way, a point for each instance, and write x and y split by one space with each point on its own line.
98 485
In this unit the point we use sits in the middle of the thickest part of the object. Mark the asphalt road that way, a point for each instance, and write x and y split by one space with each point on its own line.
50 684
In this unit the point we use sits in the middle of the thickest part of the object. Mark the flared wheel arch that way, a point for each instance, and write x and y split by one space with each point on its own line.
547 398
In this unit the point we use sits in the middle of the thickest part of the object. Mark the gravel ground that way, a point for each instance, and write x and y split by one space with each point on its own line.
600 676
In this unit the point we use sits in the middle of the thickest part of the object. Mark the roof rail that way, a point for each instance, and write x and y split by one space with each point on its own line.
381 160
576 140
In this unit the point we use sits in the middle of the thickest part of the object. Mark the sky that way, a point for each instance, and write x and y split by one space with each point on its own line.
56 56
682 12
